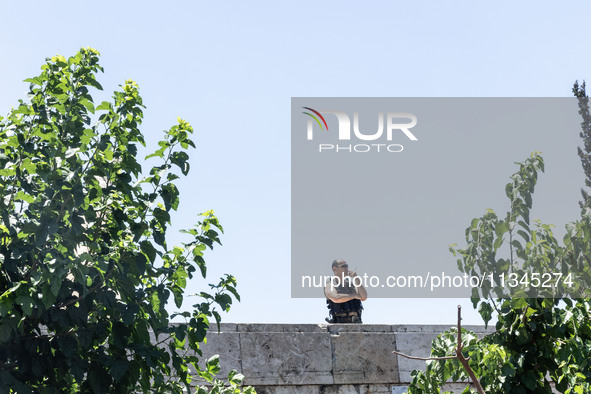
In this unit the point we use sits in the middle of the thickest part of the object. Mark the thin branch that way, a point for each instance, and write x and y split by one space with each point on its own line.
511 241
424 358
494 304
461 357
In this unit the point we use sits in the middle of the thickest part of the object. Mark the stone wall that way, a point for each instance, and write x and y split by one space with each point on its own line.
329 359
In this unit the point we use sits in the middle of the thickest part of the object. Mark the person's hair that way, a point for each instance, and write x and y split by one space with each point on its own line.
338 262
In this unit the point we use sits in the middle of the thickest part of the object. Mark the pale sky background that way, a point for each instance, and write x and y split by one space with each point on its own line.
230 69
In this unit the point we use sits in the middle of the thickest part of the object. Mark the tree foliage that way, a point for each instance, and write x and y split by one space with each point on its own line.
580 93
542 338
537 340
86 272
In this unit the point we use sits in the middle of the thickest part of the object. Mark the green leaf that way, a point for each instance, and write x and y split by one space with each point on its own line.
29 166
56 285
529 380
5 331
149 250
67 345
104 106
158 153
517 244
485 311
26 303
170 196
88 105
159 238
518 303
508 370
47 296
162 216
180 159
35 81
501 228
92 82
119 369
213 364
155 301
498 242
524 235
22 196
178 296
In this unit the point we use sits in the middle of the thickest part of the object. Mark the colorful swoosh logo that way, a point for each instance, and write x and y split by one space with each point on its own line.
315 118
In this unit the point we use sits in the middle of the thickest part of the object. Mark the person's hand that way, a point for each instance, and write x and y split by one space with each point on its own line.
352 274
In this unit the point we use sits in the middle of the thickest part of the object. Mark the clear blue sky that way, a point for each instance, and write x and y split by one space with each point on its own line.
231 68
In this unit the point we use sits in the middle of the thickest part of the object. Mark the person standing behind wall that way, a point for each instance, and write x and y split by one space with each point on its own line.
343 298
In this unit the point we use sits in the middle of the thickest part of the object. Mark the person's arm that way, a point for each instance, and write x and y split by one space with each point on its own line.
362 293
339 298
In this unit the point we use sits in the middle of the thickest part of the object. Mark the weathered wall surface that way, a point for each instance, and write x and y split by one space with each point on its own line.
329 359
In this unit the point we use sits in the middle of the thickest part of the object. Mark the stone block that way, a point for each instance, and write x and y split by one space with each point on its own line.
276 327
272 358
224 327
361 358
418 328
227 346
327 389
416 344
339 328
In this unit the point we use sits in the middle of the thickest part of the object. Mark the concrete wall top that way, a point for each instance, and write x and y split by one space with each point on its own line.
322 355
400 328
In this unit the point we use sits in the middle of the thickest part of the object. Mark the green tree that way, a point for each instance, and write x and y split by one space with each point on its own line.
580 93
85 268
537 340
540 337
